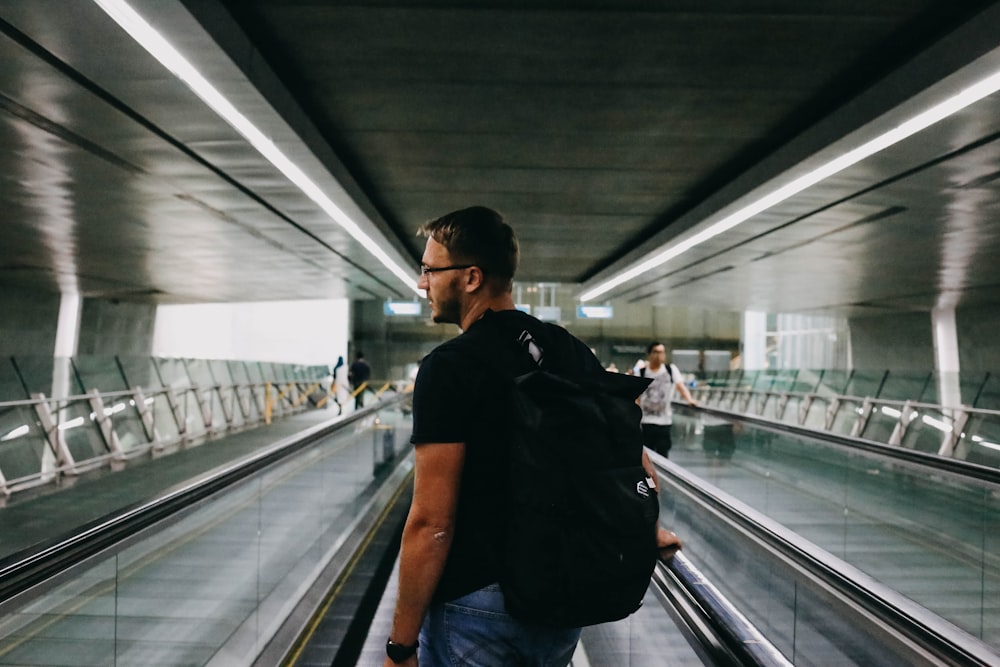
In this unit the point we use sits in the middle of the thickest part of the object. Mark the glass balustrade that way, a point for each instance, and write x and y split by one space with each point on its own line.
212 586
879 406
64 416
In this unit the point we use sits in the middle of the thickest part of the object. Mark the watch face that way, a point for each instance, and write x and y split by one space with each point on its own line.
399 652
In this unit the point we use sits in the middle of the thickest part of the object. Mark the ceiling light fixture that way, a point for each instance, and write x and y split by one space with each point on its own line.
921 121
169 57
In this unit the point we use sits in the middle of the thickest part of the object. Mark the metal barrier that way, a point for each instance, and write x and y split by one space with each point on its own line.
959 432
45 439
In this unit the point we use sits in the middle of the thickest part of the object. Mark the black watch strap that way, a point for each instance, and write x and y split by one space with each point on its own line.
400 652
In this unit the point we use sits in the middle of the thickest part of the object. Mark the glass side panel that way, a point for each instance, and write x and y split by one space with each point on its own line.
716 397
98 372
238 372
191 415
173 373
748 379
36 372
987 393
847 416
220 372
784 380
140 372
792 414
882 421
981 441
864 383
11 387
927 431
199 372
164 422
127 423
807 381
834 382
270 372
22 443
816 415
909 386
255 372
722 378
230 403
80 431
771 403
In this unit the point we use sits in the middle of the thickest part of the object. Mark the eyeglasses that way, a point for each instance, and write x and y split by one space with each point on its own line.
424 269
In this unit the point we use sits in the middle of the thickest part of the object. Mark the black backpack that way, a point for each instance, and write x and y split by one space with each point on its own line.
581 535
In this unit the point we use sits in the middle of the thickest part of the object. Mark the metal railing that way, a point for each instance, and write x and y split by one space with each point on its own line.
723 633
959 432
44 439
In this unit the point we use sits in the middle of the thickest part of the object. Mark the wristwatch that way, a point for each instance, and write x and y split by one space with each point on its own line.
400 653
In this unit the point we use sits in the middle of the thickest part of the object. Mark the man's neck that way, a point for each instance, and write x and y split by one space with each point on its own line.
654 366
478 307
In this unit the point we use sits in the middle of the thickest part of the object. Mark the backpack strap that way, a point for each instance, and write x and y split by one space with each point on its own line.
670 373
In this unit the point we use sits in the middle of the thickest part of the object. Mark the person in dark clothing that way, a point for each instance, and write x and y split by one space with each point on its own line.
358 374
452 541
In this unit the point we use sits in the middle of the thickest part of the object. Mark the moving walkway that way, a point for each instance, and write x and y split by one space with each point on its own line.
246 564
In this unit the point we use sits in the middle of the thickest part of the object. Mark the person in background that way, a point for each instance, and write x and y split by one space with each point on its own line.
657 412
357 375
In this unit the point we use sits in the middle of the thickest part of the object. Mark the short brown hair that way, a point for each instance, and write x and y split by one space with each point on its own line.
478 235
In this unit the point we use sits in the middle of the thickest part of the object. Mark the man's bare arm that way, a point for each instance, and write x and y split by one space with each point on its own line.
667 542
427 535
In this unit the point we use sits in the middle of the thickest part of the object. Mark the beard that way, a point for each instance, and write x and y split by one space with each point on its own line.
446 310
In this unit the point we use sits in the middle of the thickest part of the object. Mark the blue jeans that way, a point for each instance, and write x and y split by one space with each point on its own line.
476 631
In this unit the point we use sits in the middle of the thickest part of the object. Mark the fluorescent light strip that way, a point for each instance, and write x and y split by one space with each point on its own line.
169 57
920 122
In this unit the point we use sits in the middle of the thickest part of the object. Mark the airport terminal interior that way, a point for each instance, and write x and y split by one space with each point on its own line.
210 212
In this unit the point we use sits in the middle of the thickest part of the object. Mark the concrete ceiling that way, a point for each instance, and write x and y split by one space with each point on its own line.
605 131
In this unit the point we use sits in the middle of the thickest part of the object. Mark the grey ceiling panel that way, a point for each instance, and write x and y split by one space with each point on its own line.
602 130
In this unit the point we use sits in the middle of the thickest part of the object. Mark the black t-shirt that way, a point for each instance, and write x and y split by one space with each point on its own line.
460 395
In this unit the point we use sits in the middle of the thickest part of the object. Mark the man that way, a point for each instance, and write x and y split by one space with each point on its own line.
657 412
358 375
453 538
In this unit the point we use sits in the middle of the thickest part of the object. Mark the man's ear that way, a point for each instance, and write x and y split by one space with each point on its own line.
475 280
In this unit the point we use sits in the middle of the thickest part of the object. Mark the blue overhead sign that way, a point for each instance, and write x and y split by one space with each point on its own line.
595 312
409 308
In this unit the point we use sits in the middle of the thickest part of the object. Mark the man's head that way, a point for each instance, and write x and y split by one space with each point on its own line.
469 253
656 354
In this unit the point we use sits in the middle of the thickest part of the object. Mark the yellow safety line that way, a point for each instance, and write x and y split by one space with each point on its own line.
268 403
300 644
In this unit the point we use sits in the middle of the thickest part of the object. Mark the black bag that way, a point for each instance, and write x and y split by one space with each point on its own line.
581 537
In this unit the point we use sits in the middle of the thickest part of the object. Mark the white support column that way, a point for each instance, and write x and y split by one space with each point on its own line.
754 340
67 343
946 364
